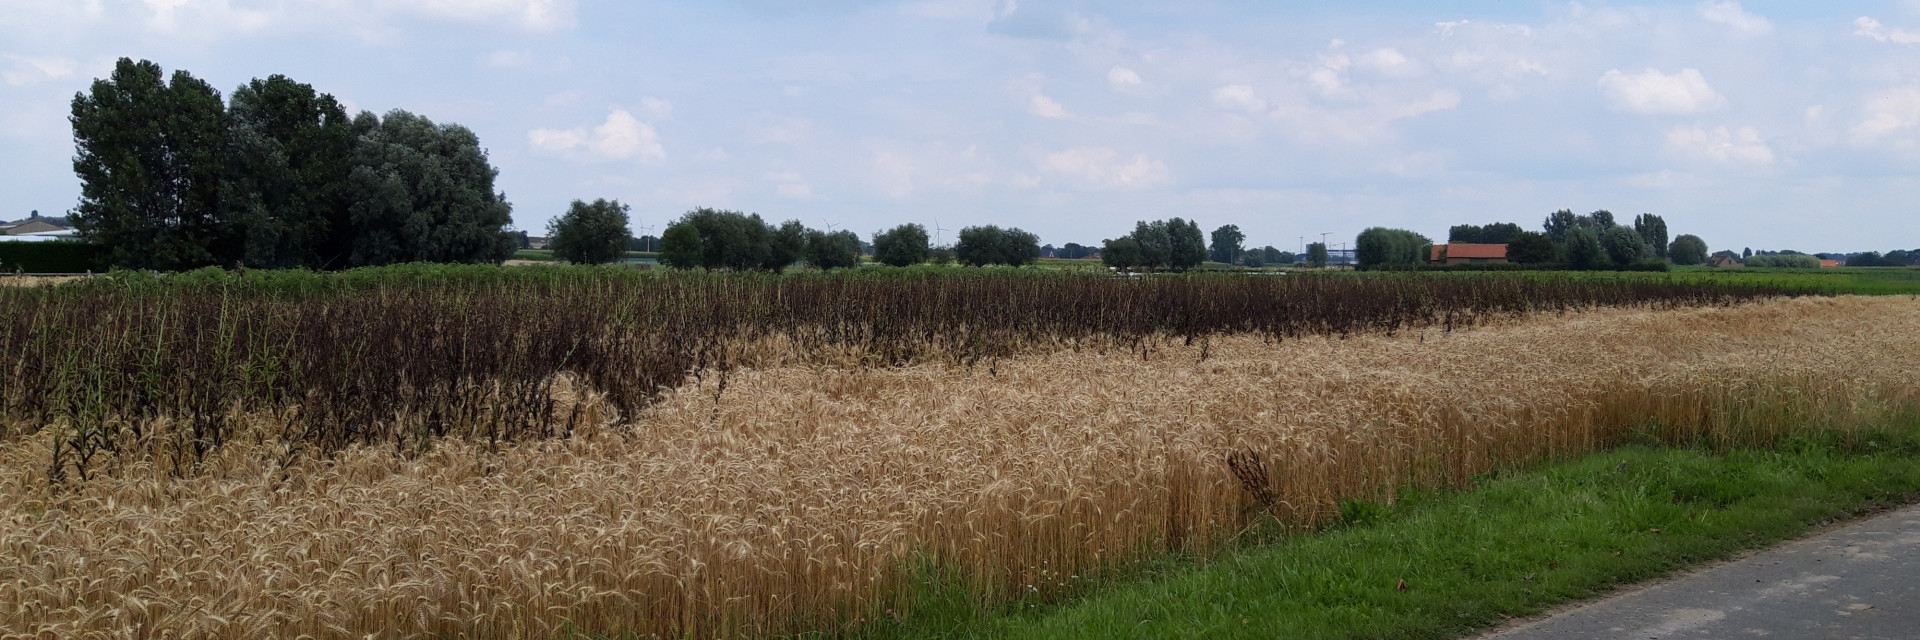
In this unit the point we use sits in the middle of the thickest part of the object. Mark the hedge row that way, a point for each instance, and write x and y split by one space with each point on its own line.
51 257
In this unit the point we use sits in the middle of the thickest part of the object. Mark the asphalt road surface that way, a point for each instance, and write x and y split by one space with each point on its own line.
1857 581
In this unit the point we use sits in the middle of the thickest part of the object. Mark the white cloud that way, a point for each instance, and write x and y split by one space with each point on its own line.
1038 103
621 137
1389 62
1653 92
791 185
1046 107
1721 144
30 69
1439 100
1101 167
1871 28
656 109
1731 14
1238 96
1890 113
1121 77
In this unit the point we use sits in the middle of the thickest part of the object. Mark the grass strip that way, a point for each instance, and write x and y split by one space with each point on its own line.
1447 564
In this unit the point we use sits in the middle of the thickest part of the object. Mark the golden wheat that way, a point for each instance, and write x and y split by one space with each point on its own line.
796 496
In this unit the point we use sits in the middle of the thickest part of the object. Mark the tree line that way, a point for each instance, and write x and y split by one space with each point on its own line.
1590 241
275 176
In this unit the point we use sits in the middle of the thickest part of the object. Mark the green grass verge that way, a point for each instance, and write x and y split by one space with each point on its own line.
1517 544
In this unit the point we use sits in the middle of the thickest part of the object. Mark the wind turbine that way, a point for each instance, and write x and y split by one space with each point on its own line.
829 225
938 232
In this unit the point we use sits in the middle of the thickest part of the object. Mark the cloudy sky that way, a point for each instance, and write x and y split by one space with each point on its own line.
1764 124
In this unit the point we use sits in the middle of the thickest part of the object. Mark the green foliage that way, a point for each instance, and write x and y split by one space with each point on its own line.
1173 244
590 233
1227 242
1895 258
1688 249
1495 233
1276 256
1382 247
1188 247
981 246
717 239
1122 253
1623 245
52 257
682 248
290 154
904 245
150 155
1784 260
423 192
1528 247
827 251
1653 230
1583 249
1317 255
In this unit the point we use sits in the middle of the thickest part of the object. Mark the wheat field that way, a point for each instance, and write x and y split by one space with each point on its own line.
797 497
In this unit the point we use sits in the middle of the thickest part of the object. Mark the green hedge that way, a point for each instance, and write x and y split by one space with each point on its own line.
1646 265
51 257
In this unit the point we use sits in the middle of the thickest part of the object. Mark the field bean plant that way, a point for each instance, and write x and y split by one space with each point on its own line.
549 451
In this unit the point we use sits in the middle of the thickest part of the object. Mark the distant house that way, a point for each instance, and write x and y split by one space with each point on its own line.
1831 264
1467 253
1723 261
34 225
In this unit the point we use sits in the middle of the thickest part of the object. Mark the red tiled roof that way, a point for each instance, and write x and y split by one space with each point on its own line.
1472 251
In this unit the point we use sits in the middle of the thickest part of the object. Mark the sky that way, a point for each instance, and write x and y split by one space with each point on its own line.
1766 124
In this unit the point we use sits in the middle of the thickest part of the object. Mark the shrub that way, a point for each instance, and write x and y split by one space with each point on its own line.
1382 247
1688 249
982 246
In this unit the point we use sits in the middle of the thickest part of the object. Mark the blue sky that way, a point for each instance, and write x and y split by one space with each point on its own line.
1759 124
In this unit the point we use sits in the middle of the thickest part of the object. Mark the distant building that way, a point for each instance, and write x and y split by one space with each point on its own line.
1831 264
1723 260
32 225
1467 253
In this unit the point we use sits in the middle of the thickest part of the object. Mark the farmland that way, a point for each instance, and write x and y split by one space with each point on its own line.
534 452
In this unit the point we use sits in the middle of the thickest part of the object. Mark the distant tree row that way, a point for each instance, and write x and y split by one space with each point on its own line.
716 239
1382 247
173 177
1174 244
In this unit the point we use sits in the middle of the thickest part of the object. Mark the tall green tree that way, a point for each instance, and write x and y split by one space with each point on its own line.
150 154
1188 247
787 244
591 233
903 245
1528 247
1122 253
1227 241
1559 223
1317 255
423 192
1382 247
285 196
1584 250
981 246
1624 246
829 250
726 240
681 247
1688 249
1653 230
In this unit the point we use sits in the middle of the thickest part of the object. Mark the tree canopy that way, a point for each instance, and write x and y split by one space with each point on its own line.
1495 233
985 245
901 246
1382 247
1227 241
590 233
1688 249
174 178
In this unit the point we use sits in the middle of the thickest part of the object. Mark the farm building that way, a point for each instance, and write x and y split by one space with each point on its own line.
25 227
1467 253
1723 261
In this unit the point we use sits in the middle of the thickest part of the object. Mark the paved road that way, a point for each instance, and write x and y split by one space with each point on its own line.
1857 581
